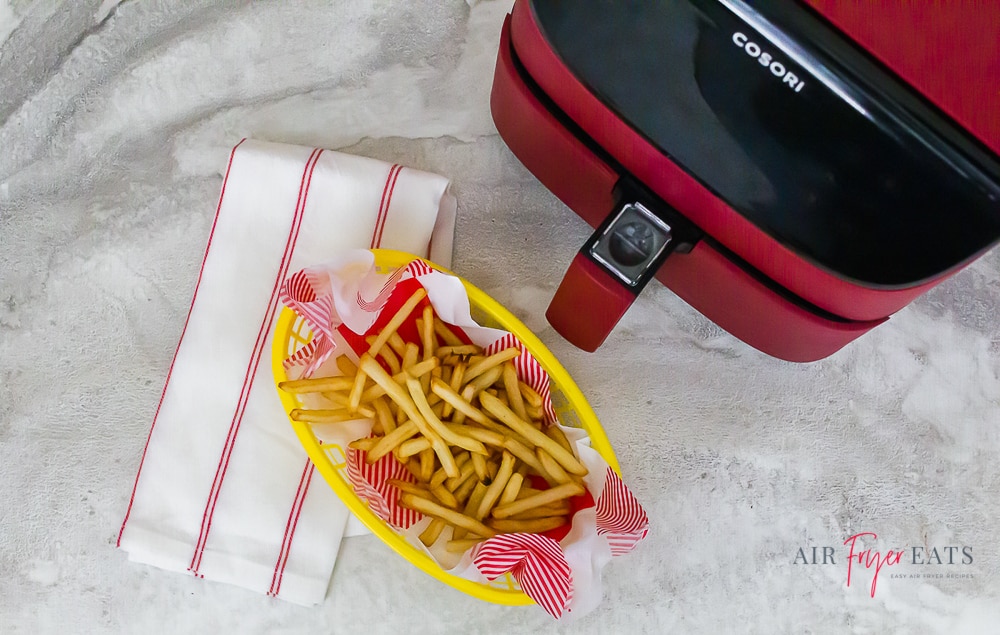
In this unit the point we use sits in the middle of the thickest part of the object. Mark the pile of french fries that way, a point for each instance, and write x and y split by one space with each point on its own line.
468 430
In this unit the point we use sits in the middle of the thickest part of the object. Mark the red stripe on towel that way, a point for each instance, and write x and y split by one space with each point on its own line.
170 371
265 328
383 210
290 525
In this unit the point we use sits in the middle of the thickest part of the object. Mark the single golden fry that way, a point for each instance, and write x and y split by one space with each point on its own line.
488 437
316 384
343 401
479 465
397 344
337 415
510 384
467 470
391 440
565 458
397 320
359 385
552 467
413 447
430 508
464 490
427 333
458 402
496 488
522 452
533 526
383 414
430 535
557 493
484 381
555 509
364 444
411 488
391 360
512 489
494 360
470 506
445 496
426 465
555 433
530 395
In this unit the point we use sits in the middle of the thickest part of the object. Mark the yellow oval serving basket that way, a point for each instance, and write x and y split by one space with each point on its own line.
291 334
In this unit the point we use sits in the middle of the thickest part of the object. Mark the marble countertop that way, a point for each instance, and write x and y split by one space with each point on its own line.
115 122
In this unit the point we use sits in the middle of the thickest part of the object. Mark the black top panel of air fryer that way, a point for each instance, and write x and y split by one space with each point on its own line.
782 118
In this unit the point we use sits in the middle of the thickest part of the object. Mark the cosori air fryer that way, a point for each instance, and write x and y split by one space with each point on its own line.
795 171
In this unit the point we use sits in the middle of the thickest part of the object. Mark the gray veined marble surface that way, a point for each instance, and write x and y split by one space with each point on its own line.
115 123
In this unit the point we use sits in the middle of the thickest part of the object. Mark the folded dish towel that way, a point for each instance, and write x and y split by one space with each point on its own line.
224 490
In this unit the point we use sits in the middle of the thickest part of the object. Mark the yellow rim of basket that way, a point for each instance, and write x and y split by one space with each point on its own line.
557 374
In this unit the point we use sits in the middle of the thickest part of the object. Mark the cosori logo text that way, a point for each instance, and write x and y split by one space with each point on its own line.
871 559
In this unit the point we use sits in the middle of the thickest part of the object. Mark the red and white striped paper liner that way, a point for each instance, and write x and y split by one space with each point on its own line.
620 518
371 484
536 562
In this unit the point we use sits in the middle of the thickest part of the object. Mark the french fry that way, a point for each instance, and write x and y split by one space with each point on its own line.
430 508
512 489
426 464
552 467
427 332
555 509
397 320
530 395
397 344
337 415
560 492
487 437
479 465
359 384
458 402
430 535
387 354
365 444
383 414
467 470
445 496
533 526
317 384
495 488
565 458
391 440
412 447
494 360
522 452
555 433
410 488
472 504
510 384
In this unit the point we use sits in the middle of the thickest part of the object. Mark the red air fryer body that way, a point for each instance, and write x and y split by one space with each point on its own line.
797 172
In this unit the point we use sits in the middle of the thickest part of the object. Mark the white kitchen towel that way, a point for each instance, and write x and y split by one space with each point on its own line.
224 491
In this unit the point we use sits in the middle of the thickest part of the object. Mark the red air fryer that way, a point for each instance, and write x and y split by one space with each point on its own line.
795 171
